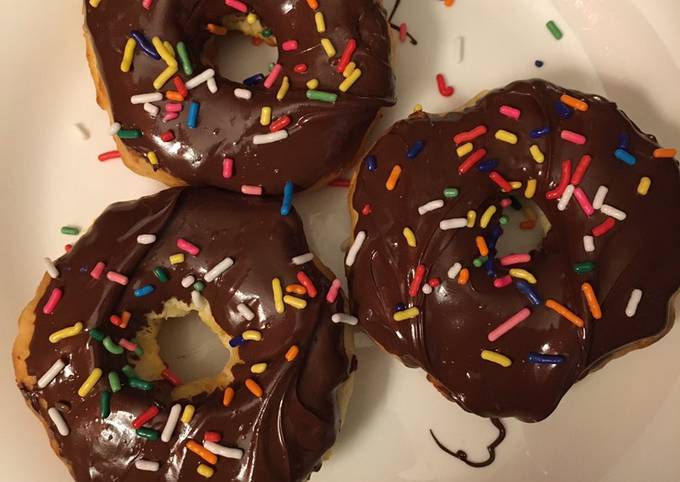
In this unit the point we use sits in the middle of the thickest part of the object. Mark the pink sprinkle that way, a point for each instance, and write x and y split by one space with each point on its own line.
511 112
147 4
128 345
170 116
403 32
273 75
509 324
188 247
121 279
515 259
573 137
173 107
333 291
502 282
289 45
236 5
98 269
506 202
52 301
227 168
251 190
583 201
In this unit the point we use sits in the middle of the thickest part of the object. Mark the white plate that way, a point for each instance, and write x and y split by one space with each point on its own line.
620 424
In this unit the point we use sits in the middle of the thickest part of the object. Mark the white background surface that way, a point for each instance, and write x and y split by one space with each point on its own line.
621 424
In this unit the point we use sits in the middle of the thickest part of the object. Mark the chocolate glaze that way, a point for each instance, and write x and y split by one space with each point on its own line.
284 434
448 336
463 456
323 137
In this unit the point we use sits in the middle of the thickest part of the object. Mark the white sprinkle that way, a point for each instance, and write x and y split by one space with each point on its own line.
243 94
566 197
115 127
431 206
212 85
453 223
601 193
302 259
51 373
171 424
145 98
200 78
188 281
84 132
354 249
245 311
218 269
613 212
454 270
271 137
589 244
427 289
633 302
147 465
197 299
223 451
460 48
152 109
59 421
344 318
146 238
51 269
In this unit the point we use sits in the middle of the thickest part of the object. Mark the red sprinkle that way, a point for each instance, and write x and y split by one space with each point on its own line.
171 377
167 136
300 68
417 280
527 225
469 136
68 247
472 159
212 437
581 169
146 416
181 86
444 89
564 181
604 228
340 183
346 56
367 209
280 123
500 180
434 282
403 32
307 283
106 156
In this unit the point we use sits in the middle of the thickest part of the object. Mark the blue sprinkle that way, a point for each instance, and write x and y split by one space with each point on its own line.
624 141
545 359
563 110
253 80
487 166
288 189
516 205
144 290
371 163
236 341
495 236
400 307
489 267
145 45
539 63
528 291
192 122
415 149
625 156
537 133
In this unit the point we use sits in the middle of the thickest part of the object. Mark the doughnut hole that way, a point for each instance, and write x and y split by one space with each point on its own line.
189 342
525 230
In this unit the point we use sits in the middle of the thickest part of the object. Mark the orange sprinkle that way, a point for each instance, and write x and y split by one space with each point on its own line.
528 225
174 96
464 276
562 310
216 29
574 103
254 388
292 353
228 396
125 319
663 153
482 246
256 41
313 4
297 289
394 177
202 452
593 304
449 3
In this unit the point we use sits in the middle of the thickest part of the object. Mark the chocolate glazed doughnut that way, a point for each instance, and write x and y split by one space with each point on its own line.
88 363
303 122
508 336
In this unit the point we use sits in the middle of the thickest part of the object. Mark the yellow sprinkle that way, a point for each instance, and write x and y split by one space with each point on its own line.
418 108
497 358
205 470
410 237
531 189
89 384
328 47
349 81
177 258
391 182
251 335
406 314
95 3
349 69
320 22
188 413
74 330
152 157
278 295
471 218
251 18
283 90
515 184
266 116
522 274
465 149
486 217
295 302
163 52
643 187
171 50
505 136
258 368
312 84
165 76
537 154
128 55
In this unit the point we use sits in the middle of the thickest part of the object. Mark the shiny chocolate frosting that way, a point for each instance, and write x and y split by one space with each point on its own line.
547 352
322 137
284 433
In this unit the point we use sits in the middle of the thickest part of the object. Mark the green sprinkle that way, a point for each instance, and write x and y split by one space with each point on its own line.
504 219
111 347
105 404
322 96
554 29
199 285
478 262
114 382
129 371
451 192
585 267
148 433
140 384
129 133
161 274
267 32
184 58
139 352
97 335
271 66
70 230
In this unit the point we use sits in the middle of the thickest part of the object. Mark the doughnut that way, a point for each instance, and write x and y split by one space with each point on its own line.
88 363
506 335
175 119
